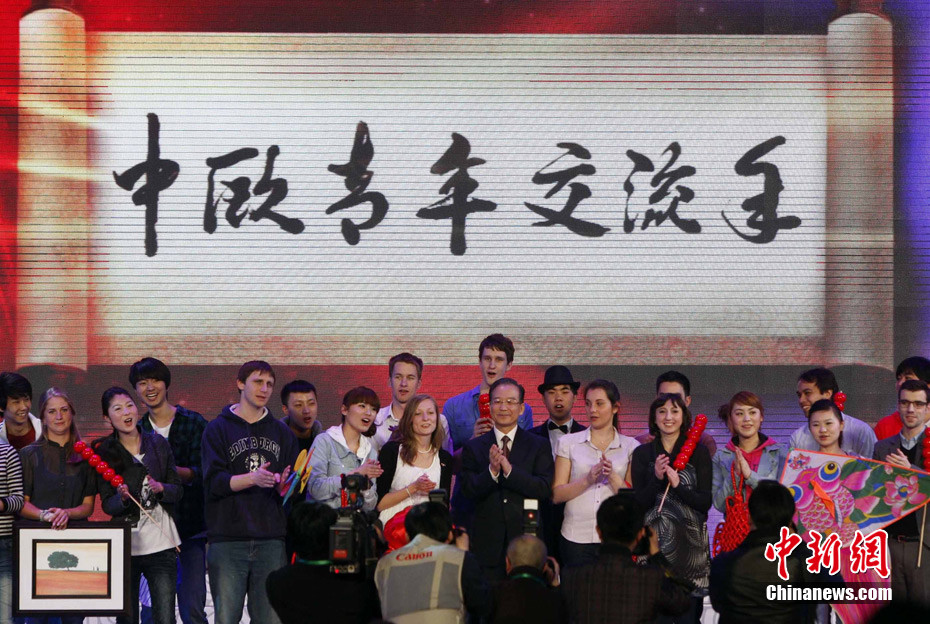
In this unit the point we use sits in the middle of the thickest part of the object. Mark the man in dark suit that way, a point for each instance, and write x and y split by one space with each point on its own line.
908 582
500 470
558 391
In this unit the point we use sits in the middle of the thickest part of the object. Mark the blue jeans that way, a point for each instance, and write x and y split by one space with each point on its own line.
192 580
6 580
240 568
161 572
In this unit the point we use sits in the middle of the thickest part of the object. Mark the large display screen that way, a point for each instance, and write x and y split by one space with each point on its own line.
323 198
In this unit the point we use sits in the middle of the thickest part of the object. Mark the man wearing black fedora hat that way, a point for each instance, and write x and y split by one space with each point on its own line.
558 391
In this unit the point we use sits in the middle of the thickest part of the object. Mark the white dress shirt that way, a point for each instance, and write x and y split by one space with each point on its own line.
557 434
580 521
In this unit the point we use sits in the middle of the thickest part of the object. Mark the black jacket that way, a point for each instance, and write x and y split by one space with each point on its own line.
499 505
739 578
388 456
157 461
524 596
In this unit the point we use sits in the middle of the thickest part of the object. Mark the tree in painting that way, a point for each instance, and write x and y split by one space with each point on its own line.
62 559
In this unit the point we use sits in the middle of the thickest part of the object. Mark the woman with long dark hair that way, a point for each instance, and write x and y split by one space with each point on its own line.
683 495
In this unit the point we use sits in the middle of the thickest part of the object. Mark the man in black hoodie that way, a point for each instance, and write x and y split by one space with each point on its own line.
247 455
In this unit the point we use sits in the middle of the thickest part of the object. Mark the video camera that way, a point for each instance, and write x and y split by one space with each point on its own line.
353 540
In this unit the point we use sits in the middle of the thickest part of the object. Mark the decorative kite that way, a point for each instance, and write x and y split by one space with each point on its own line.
297 480
842 494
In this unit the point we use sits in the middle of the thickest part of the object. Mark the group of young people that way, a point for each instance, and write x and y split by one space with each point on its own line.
189 483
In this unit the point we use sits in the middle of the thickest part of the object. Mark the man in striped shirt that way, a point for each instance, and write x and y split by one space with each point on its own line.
11 501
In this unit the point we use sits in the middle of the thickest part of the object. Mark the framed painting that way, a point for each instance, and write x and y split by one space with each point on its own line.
81 570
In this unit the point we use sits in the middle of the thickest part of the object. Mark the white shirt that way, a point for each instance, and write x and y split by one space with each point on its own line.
404 475
580 521
386 424
151 537
557 434
364 442
162 431
499 436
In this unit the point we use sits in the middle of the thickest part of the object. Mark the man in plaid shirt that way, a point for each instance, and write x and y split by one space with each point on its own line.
183 429
615 589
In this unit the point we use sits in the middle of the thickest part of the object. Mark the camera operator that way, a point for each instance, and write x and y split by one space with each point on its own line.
530 591
307 591
414 582
614 588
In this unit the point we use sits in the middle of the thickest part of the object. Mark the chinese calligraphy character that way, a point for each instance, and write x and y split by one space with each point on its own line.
159 175
826 552
870 552
578 192
457 205
764 206
781 549
357 178
275 188
663 180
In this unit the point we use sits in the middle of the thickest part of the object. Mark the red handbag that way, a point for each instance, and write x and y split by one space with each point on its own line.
735 526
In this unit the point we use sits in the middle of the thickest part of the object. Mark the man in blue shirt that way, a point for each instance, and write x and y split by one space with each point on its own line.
820 383
495 357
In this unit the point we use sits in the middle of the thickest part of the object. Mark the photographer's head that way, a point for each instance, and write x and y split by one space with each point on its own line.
431 519
308 527
771 506
620 520
526 550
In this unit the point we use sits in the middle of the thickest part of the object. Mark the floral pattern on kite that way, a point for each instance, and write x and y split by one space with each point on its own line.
842 494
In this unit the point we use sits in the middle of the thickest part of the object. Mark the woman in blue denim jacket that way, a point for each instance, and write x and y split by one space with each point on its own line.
757 456
347 449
